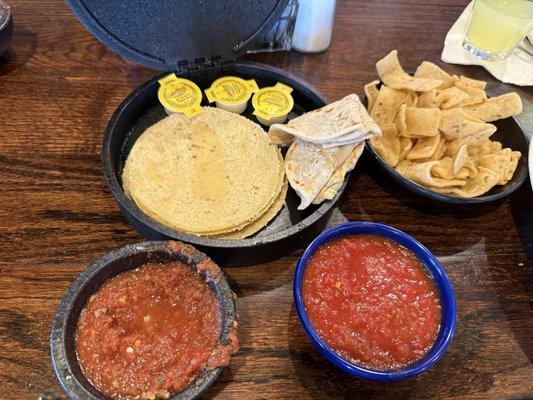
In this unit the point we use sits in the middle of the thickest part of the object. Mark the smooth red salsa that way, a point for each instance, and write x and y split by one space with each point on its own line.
371 301
150 331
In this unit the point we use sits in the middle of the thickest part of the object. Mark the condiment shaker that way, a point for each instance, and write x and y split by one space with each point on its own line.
314 25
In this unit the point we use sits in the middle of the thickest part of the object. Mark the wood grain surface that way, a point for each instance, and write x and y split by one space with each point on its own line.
58 89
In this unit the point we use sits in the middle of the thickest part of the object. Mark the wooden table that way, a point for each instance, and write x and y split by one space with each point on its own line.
58 89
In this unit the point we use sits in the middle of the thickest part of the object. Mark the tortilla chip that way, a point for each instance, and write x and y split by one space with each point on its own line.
424 148
495 108
410 100
443 169
476 149
451 97
432 71
439 151
406 145
475 95
473 138
474 83
421 174
456 124
497 162
388 145
392 74
428 99
511 167
371 92
418 122
494 146
460 158
485 180
468 171
387 104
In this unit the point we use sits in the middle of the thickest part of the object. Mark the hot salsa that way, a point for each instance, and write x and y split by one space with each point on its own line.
371 301
148 332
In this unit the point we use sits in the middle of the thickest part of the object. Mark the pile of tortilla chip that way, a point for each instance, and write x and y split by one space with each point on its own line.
324 145
436 128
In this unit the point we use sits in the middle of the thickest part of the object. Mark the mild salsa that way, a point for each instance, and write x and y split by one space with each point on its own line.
148 332
371 301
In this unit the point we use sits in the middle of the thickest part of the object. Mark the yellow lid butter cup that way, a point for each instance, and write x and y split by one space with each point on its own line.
231 93
272 104
180 95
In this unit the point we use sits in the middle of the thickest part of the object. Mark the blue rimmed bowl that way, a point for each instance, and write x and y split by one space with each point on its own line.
433 267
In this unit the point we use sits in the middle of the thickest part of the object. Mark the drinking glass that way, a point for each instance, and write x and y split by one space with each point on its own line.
496 27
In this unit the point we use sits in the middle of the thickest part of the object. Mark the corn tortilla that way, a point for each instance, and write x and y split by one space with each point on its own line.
208 175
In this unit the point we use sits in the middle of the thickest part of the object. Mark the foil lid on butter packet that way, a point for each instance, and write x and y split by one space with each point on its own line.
179 95
231 93
272 104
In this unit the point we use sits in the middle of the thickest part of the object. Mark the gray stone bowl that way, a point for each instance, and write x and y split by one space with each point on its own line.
62 341
6 26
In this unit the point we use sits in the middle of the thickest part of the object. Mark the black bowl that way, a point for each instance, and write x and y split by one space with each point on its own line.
509 133
6 26
292 228
62 340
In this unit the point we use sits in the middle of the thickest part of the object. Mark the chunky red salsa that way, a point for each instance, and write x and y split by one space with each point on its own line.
371 301
148 332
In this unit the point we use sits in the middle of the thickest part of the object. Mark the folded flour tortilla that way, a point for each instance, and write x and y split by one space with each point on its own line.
331 188
342 122
309 168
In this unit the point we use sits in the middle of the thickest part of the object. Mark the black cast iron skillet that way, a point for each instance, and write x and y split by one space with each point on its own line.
62 341
291 228
509 133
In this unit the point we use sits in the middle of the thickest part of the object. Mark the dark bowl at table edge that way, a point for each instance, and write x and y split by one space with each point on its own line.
432 266
519 176
62 337
248 251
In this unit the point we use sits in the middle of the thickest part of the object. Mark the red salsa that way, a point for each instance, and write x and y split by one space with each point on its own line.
371 301
148 332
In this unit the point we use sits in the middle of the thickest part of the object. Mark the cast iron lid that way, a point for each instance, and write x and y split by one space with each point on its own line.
175 35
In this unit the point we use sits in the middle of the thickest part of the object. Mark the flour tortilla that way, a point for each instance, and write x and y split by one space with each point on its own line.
212 174
329 191
309 168
345 120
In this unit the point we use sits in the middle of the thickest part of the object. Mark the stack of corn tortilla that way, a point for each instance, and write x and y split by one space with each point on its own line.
324 145
216 174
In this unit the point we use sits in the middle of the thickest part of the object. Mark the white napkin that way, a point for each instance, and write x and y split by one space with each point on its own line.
516 69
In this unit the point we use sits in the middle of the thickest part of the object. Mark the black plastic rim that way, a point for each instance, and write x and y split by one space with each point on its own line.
252 250
62 345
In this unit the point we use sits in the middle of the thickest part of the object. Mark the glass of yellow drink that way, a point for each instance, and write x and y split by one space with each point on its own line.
498 26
